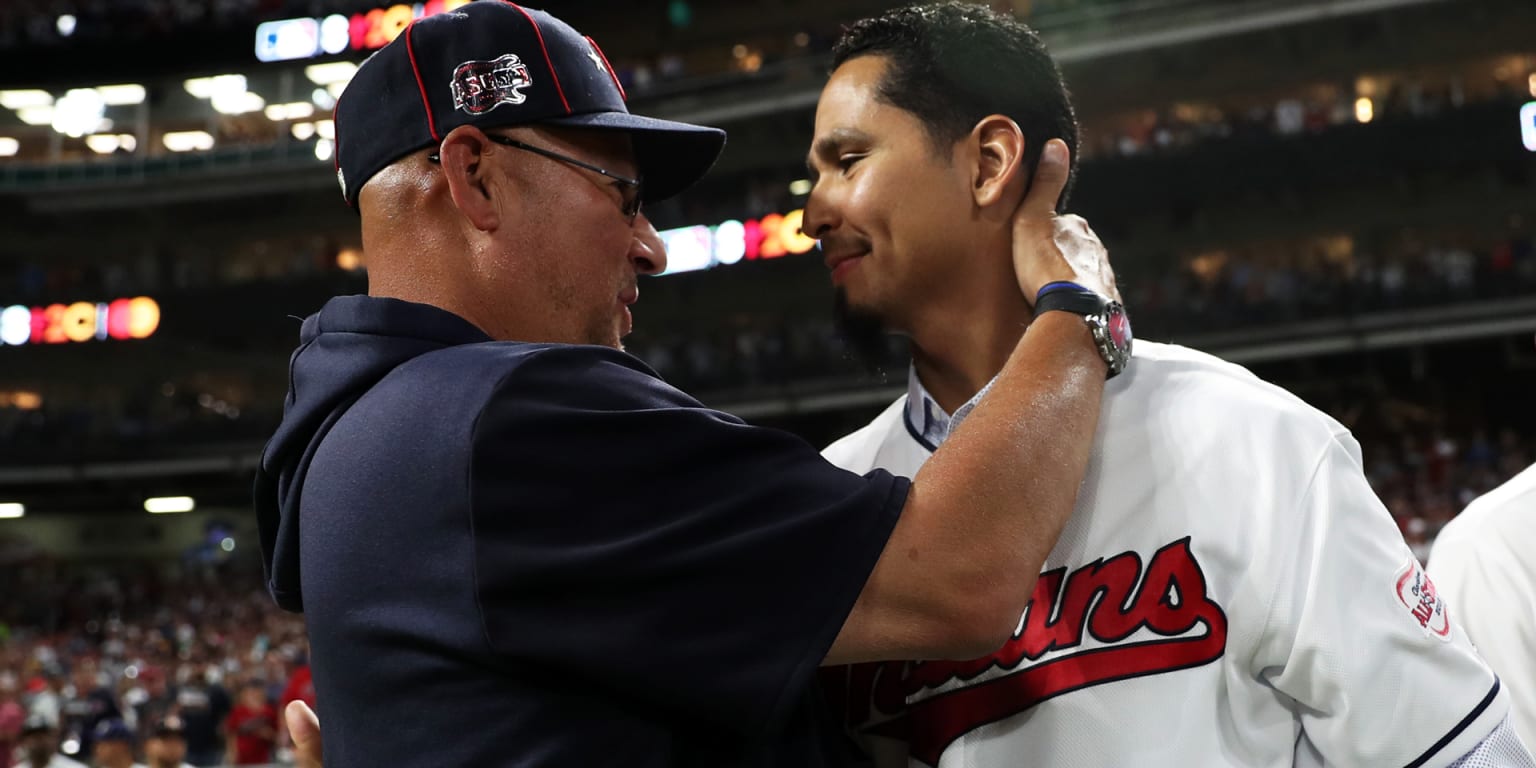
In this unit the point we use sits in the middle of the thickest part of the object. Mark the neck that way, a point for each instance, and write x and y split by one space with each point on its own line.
963 339
397 270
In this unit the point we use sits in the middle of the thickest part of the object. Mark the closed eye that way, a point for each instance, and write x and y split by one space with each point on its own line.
845 162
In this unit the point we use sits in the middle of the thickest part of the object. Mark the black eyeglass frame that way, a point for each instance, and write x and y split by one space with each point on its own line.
630 190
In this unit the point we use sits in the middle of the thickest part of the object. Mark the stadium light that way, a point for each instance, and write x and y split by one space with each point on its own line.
107 143
800 187
12 510
167 505
103 143
187 141
1365 111
237 103
66 25
331 73
323 99
303 131
25 98
124 95
297 110
324 149
208 87
79 112
325 129
9 146
335 89
36 115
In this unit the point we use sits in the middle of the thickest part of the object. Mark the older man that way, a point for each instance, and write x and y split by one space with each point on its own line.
514 544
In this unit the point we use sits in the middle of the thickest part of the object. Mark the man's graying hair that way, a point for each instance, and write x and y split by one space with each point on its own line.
952 63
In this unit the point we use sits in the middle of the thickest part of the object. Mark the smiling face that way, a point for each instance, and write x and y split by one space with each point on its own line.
889 206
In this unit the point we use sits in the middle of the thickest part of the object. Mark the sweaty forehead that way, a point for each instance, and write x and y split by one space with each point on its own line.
851 95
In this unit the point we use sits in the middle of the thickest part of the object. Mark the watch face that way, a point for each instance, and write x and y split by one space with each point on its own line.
1119 327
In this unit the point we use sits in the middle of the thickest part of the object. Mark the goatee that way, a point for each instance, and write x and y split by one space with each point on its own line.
863 333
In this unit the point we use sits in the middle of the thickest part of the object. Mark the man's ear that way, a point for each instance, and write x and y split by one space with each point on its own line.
462 155
999 175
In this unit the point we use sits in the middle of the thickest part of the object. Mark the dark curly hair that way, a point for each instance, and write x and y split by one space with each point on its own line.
952 63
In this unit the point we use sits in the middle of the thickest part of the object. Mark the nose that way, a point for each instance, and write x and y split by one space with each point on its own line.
647 251
821 214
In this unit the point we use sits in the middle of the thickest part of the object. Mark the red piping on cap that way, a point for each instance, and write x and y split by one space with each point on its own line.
549 62
336 152
410 51
611 74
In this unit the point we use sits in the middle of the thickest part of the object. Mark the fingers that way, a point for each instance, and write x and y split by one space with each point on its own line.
304 727
1050 179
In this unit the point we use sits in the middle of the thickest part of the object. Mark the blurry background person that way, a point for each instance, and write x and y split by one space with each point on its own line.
112 745
250 733
40 746
87 703
166 746
203 705
12 716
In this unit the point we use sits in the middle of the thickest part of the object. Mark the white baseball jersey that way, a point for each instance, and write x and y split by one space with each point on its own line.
1229 592
1484 562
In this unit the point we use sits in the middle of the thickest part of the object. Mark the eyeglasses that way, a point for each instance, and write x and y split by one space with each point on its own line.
630 190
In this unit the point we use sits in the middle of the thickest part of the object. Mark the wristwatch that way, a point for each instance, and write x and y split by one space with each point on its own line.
1106 319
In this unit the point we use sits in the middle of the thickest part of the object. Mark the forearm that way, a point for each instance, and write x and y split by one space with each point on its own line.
987 508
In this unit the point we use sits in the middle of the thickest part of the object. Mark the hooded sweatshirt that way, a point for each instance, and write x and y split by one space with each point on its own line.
516 554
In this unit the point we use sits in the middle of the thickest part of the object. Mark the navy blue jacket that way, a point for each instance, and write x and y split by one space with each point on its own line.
515 554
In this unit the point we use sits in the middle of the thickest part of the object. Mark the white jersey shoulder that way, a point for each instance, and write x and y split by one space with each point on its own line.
1484 562
857 451
1228 592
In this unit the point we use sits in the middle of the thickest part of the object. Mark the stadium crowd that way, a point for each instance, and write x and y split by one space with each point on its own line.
125 653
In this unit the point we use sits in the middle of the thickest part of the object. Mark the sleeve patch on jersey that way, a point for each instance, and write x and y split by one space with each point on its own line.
1417 593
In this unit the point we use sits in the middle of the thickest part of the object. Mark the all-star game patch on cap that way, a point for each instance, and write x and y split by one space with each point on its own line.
493 64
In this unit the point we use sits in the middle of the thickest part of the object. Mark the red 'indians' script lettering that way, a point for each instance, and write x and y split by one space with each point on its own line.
1108 599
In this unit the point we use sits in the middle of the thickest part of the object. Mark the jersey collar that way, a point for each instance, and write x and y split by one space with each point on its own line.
928 423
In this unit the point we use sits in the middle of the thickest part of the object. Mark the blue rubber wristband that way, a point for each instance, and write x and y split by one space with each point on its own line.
1059 285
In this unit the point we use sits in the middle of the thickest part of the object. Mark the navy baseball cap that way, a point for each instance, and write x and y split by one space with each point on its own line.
113 730
493 64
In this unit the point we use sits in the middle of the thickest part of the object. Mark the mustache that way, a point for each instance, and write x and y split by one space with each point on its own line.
842 244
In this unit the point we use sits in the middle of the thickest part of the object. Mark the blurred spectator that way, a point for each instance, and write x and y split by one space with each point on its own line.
112 744
12 715
88 703
166 746
251 729
40 746
156 705
203 704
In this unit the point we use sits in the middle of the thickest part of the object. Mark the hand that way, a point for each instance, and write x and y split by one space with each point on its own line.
304 726
1048 247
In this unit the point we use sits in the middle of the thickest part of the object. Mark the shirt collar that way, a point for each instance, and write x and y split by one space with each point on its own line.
928 422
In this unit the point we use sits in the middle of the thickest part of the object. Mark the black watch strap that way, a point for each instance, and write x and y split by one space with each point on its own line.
1105 318
1078 301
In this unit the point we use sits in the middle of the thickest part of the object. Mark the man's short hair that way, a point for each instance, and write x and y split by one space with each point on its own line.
952 63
